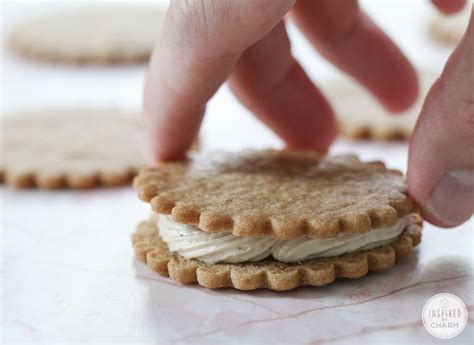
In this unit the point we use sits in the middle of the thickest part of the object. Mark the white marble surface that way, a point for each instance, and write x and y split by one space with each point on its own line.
68 274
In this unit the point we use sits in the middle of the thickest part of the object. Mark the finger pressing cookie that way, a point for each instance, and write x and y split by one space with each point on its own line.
257 213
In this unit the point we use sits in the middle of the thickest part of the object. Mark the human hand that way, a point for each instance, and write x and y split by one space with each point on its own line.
441 161
205 43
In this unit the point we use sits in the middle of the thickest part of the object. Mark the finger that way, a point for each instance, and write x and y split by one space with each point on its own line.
201 41
449 6
441 160
351 41
269 81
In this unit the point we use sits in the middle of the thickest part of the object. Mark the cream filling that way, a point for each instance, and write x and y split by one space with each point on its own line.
192 243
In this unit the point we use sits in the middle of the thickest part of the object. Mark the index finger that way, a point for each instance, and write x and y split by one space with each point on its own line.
201 42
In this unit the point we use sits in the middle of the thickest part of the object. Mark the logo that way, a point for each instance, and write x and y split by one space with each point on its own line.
444 316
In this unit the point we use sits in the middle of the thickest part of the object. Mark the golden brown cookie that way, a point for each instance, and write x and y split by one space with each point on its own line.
269 273
285 194
97 35
361 116
74 148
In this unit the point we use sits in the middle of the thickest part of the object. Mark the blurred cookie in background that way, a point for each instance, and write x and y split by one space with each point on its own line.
361 116
111 35
70 148
450 28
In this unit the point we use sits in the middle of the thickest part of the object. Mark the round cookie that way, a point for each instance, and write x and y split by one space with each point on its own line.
74 148
450 29
222 219
284 194
361 116
100 35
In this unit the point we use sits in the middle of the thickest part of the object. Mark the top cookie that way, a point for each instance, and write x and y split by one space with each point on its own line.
100 35
285 194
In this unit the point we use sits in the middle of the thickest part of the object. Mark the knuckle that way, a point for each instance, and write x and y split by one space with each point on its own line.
466 117
449 110
192 17
211 17
224 27
265 10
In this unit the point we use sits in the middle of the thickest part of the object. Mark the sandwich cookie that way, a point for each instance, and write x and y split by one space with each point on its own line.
273 219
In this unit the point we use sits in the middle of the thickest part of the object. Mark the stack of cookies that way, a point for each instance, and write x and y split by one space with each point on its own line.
273 219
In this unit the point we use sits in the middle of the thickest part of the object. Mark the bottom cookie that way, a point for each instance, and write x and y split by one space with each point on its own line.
269 273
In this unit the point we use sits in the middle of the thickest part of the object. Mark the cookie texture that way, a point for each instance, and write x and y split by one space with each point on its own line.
270 274
74 148
449 29
361 116
96 35
285 194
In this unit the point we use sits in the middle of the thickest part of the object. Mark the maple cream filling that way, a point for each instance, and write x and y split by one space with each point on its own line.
192 243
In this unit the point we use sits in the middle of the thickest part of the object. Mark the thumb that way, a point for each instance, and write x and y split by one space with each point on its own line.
441 158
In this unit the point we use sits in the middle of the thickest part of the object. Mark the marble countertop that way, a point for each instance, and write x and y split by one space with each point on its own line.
69 275
68 270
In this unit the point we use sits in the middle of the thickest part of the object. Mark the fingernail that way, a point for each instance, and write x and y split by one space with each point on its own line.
452 198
